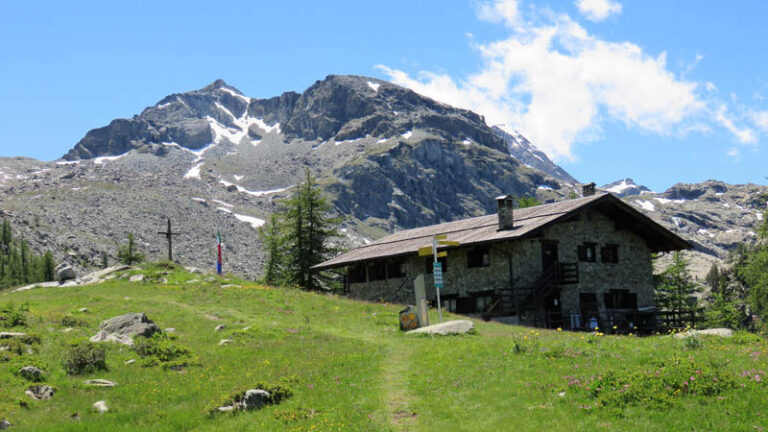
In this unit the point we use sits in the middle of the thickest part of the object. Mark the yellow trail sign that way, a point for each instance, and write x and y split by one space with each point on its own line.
425 251
448 243
442 254
441 236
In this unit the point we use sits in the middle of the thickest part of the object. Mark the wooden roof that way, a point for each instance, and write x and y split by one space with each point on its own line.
528 222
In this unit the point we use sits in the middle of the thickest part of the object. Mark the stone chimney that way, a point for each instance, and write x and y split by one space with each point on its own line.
588 189
506 218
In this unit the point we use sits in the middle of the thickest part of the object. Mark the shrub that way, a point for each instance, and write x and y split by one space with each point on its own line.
85 357
745 338
159 350
11 316
73 321
692 343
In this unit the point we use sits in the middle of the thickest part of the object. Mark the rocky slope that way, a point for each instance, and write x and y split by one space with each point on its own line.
713 215
215 158
387 157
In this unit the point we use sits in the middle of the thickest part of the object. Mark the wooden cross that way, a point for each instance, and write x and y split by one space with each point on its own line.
169 235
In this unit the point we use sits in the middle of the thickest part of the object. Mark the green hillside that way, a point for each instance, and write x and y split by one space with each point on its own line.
349 368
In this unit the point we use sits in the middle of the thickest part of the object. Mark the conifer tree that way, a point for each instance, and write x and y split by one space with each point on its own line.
298 238
127 254
675 291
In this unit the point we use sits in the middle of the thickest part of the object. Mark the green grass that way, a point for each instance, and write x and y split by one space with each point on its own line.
349 368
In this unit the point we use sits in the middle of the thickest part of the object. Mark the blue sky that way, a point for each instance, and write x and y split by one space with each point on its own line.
660 91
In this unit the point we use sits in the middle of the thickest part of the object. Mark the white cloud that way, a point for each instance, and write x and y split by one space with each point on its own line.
598 10
760 119
499 11
734 154
557 84
745 135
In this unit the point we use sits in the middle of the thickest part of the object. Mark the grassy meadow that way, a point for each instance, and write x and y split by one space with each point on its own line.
349 368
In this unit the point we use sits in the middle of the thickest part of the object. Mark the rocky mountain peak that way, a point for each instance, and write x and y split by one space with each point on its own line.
218 84
625 187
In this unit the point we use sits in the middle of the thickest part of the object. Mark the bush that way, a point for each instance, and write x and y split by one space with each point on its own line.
159 350
85 357
73 321
11 316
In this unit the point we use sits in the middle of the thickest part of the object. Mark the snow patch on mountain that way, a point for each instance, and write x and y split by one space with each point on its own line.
194 172
647 205
253 221
102 159
374 86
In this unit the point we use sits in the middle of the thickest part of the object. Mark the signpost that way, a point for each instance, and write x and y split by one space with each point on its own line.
437 266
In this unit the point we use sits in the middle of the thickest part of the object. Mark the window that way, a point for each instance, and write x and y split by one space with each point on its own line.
479 257
377 271
396 269
609 253
620 299
357 274
587 252
428 264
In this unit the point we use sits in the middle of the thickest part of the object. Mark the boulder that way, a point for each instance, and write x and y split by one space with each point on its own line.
40 392
5 424
254 399
131 324
31 373
722 332
98 382
137 278
219 328
104 336
100 407
65 272
446 328
9 335
225 342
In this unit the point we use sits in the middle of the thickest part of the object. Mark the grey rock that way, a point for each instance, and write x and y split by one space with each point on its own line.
9 335
226 408
219 328
31 373
210 279
40 392
225 342
100 407
5 424
255 398
131 324
721 332
98 382
130 361
105 336
162 281
446 328
137 278
65 272
83 310
231 286
170 330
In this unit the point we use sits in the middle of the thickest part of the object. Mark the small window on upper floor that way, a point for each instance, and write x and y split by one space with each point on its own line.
610 253
479 257
587 252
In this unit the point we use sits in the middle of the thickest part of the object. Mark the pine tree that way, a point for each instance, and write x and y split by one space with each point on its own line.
104 260
49 267
713 277
752 269
674 288
127 254
5 235
273 239
298 238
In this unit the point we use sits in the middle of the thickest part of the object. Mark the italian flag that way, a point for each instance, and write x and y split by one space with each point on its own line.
218 263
